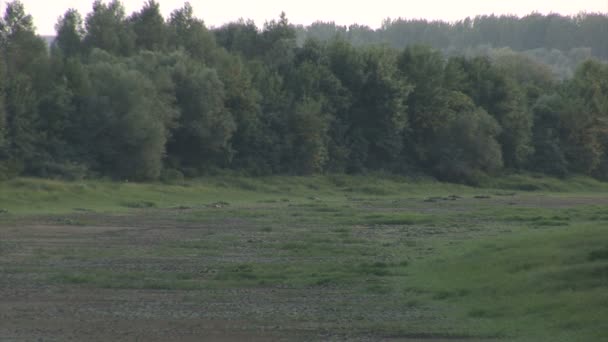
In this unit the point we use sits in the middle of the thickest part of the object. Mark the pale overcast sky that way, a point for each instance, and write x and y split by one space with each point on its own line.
371 13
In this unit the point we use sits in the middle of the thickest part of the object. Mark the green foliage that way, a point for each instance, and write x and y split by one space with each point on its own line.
533 32
428 102
3 122
126 126
242 100
205 126
130 96
24 66
501 97
149 27
467 142
240 37
189 33
548 154
106 29
70 33
309 141
585 119
379 111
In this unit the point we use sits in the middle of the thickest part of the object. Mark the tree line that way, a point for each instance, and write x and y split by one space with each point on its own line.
534 31
562 42
141 97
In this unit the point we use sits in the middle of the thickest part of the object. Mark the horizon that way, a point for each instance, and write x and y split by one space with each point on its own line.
305 14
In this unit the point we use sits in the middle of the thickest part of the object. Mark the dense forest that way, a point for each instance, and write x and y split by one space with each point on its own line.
141 97
562 42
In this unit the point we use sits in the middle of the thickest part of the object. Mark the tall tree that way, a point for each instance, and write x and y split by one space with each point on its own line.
308 137
279 42
2 116
347 146
151 32
242 100
189 33
467 143
25 61
380 109
548 155
502 98
107 29
585 120
126 120
202 139
240 37
275 105
70 33
427 104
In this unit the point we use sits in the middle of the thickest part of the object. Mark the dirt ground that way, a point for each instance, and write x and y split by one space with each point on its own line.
32 308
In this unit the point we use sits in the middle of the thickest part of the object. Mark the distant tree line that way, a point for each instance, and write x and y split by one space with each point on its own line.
561 42
142 97
534 31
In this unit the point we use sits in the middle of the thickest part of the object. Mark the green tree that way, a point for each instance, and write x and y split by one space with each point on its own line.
55 113
347 147
427 104
314 78
2 116
279 42
70 33
534 78
316 89
308 138
380 108
466 143
189 33
584 122
272 124
241 37
548 155
107 29
126 120
202 138
242 100
500 96
151 32
25 64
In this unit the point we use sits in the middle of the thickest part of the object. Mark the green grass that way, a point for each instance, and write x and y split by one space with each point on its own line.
36 196
549 285
539 182
520 258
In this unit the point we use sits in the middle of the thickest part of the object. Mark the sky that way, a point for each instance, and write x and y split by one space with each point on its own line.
343 12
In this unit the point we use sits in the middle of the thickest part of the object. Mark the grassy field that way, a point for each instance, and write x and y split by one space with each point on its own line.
353 258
